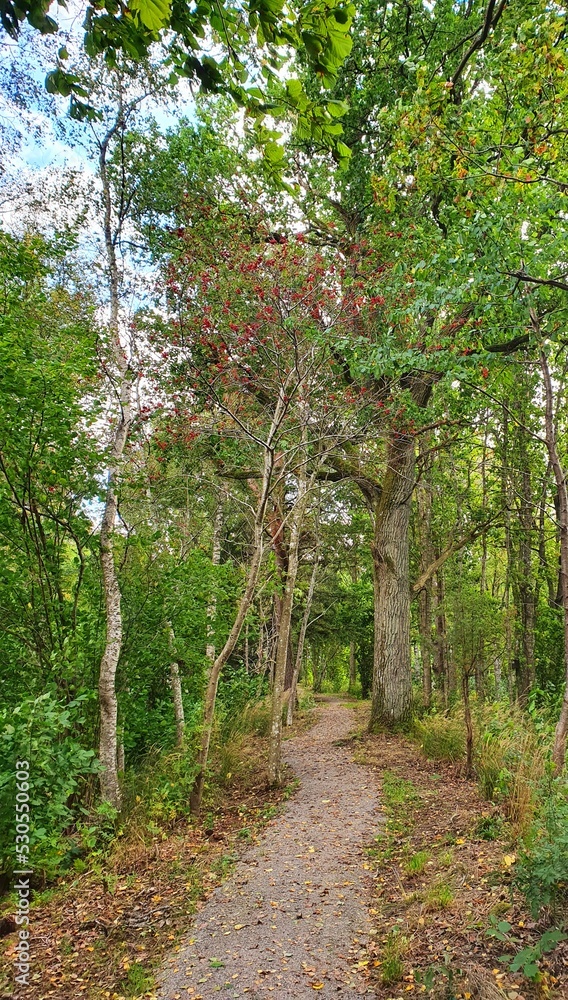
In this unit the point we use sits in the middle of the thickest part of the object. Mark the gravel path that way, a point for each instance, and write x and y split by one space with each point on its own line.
293 916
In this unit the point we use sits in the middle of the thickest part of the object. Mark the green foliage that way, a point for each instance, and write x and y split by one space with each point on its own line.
43 732
393 951
441 737
417 863
438 897
526 960
158 793
542 871
489 827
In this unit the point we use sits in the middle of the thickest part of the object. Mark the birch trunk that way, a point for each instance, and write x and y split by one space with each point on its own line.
301 642
561 732
110 788
215 560
175 681
282 648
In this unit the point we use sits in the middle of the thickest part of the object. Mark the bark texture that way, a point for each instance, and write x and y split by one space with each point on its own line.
561 732
175 681
110 788
392 681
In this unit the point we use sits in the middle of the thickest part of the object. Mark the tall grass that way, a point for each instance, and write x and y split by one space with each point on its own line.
509 756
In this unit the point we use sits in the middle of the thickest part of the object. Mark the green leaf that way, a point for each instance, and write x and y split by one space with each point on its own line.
154 14
274 152
294 90
337 108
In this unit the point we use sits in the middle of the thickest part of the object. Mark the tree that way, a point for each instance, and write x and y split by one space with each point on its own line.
255 44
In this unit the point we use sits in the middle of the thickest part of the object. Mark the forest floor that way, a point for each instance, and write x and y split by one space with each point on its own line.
443 878
369 873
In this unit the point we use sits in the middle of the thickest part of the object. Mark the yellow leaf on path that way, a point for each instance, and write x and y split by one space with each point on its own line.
509 860
460 840
317 986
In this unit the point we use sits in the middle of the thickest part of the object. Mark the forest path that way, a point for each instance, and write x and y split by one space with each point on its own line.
293 916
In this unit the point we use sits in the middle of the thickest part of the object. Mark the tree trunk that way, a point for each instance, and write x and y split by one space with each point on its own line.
441 666
391 703
352 666
243 607
108 706
526 583
424 511
175 681
110 788
468 727
301 641
282 648
561 732
215 561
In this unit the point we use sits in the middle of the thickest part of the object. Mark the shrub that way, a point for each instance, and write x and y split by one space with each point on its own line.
510 764
542 873
43 731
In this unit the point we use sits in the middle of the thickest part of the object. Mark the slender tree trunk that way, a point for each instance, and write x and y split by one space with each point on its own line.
391 702
526 583
441 668
215 561
425 626
243 607
468 726
301 642
175 682
561 732
282 648
352 666
110 788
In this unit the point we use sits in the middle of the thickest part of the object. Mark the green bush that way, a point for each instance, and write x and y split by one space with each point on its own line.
42 731
161 789
542 872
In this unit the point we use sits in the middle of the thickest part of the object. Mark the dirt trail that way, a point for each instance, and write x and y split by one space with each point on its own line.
293 916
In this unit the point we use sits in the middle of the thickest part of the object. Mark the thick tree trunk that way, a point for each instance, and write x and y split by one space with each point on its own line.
561 732
301 642
392 678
